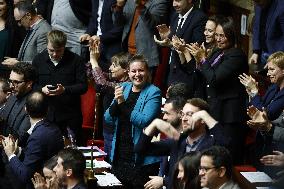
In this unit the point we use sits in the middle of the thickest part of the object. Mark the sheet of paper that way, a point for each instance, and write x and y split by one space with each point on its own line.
98 164
255 177
108 180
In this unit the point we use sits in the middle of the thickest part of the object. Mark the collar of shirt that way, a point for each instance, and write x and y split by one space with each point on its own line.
196 142
32 26
32 127
53 61
184 16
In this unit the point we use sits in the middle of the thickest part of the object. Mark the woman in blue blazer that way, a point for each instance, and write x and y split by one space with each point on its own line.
134 106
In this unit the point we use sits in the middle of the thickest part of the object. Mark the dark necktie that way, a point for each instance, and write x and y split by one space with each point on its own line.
179 25
29 32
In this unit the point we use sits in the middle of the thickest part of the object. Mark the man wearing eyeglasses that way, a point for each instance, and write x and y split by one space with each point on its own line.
200 131
16 119
215 169
37 28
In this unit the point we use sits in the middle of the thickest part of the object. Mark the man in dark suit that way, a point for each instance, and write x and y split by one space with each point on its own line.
70 169
17 121
187 23
37 28
104 31
62 77
268 29
45 140
195 137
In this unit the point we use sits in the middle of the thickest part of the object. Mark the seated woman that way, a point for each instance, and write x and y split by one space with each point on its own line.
135 105
105 83
273 100
187 172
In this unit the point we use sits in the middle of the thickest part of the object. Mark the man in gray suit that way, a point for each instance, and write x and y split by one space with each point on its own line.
37 28
139 19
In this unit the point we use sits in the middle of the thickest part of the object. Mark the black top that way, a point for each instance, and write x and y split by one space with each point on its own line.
124 133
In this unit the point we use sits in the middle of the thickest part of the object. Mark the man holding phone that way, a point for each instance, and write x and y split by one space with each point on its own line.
61 76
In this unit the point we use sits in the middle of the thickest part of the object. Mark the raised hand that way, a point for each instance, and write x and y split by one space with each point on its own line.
259 119
164 31
178 44
250 84
39 181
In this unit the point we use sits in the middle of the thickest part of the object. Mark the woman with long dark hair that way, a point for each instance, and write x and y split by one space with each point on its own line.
10 36
186 175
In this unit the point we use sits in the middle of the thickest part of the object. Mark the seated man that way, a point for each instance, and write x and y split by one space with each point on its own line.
45 140
215 169
70 169
195 136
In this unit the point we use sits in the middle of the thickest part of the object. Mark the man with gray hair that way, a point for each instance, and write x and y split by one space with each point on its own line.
37 28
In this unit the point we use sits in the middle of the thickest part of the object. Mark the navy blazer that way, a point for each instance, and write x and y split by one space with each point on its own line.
111 34
191 31
274 30
272 101
44 142
175 149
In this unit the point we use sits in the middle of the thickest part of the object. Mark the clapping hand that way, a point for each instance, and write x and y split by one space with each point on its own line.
198 52
10 146
39 182
164 31
259 119
94 49
178 44
118 94
250 84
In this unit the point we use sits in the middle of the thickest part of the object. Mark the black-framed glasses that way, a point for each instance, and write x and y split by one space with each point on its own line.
15 82
205 169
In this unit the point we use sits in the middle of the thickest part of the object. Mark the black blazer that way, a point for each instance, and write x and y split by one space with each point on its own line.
191 31
70 72
225 94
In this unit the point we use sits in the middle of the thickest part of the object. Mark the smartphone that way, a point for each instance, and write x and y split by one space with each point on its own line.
51 87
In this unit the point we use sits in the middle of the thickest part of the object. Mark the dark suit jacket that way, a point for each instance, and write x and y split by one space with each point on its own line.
225 94
80 186
274 28
175 149
18 123
81 9
70 72
44 142
111 34
191 31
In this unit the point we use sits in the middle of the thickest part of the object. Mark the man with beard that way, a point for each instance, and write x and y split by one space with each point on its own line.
16 119
172 115
195 136
70 169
